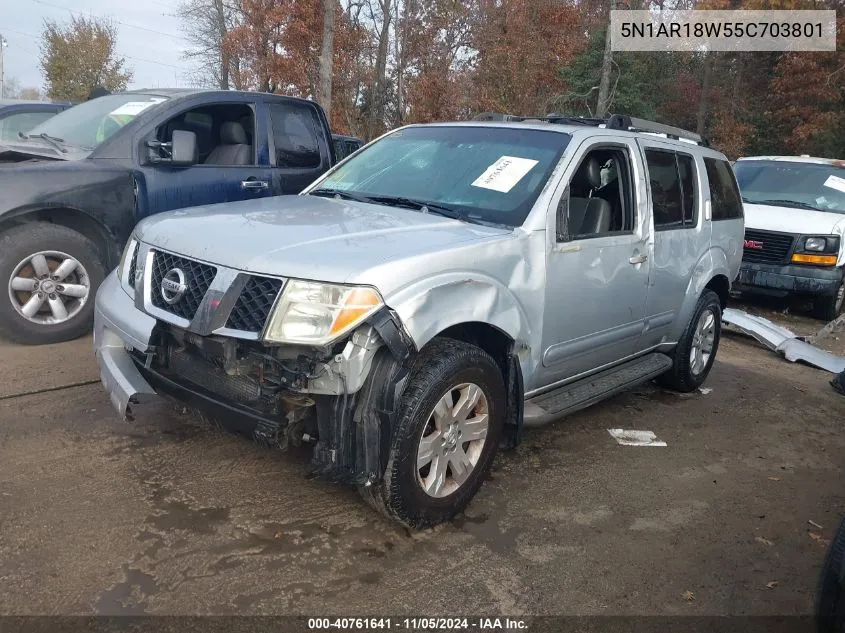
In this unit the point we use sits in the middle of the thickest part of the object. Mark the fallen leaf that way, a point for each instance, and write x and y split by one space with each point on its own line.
815 525
762 540
689 596
772 584
774 478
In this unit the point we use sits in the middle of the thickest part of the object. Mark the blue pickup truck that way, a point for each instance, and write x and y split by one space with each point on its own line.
75 186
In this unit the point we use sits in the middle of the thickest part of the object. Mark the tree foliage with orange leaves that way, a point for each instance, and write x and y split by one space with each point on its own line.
404 61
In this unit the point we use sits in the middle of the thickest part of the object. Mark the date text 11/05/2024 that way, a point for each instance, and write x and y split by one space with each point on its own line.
417 624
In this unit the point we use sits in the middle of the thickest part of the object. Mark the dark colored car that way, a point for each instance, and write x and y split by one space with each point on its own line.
74 187
18 117
345 145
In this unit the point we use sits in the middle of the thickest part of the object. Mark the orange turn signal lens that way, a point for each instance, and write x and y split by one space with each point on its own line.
822 260
358 304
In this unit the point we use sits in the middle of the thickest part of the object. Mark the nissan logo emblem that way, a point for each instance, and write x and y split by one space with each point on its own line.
173 286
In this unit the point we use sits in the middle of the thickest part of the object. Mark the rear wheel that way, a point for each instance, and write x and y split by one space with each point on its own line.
451 418
696 350
49 274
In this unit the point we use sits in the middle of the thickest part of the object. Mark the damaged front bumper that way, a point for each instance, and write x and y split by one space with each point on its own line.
778 280
342 397
118 327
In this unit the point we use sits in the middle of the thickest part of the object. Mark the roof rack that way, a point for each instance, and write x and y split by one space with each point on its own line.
612 122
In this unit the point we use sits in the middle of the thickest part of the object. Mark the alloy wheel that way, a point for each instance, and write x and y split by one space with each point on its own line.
49 287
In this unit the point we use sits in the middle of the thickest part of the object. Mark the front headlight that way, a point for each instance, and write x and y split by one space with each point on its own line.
815 244
313 313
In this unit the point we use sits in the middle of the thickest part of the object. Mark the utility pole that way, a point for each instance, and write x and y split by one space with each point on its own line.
3 44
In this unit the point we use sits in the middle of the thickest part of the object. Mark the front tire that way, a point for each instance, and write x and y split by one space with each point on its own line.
696 350
49 275
451 418
828 308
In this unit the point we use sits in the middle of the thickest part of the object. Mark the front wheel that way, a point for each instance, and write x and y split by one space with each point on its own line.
452 414
696 350
828 308
48 277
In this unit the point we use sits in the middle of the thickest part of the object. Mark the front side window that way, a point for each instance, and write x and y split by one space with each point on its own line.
724 195
87 125
481 173
790 184
600 198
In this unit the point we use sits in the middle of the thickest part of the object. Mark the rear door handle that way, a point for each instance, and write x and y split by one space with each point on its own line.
638 259
254 184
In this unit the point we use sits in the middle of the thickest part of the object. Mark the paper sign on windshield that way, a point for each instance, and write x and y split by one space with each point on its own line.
835 182
132 108
504 173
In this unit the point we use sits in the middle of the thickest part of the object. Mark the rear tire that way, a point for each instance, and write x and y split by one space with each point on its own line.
451 418
830 598
696 350
49 275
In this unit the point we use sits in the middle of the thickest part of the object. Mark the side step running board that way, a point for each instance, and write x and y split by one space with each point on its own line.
552 405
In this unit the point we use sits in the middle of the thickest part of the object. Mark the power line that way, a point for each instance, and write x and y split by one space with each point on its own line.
140 59
127 24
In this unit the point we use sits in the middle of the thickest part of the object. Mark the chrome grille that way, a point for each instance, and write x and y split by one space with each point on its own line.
775 249
253 306
198 278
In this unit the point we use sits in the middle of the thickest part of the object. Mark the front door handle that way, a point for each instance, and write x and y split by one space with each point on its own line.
638 259
253 184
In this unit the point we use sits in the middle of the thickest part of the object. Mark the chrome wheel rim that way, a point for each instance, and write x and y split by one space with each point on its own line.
702 342
49 287
452 440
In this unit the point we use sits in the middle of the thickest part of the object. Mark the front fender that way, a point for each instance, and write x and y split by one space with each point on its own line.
436 303
712 263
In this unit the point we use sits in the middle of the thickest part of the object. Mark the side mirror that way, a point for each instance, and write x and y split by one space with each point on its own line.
183 150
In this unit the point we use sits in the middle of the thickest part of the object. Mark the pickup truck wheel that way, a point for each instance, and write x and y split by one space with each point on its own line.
696 350
49 275
828 308
452 413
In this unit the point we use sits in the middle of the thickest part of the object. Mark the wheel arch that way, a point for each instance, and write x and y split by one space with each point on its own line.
73 219
711 272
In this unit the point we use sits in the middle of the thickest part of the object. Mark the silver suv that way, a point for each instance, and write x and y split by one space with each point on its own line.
428 297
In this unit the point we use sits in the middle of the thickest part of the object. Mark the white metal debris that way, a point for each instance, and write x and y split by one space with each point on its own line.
627 437
783 341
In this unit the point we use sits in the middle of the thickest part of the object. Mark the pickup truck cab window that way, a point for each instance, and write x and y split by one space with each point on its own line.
486 174
88 124
224 132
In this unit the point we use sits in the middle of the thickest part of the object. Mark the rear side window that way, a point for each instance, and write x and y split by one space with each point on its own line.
724 193
295 135
666 193
686 167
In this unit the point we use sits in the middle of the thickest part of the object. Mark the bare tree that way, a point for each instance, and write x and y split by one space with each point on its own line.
206 23
324 85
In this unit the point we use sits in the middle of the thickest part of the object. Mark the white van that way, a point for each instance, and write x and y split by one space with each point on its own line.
794 222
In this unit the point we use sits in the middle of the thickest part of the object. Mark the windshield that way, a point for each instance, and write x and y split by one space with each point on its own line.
791 184
485 174
88 124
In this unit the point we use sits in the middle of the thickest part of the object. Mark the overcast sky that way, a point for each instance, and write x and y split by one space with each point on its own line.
156 58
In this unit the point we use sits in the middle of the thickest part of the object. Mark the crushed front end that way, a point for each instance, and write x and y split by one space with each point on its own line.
197 333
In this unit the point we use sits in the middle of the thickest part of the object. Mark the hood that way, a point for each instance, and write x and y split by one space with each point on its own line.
308 237
790 220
